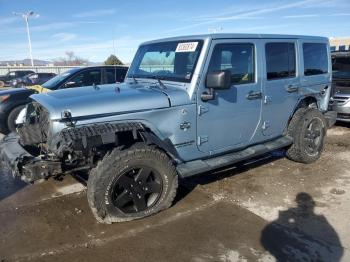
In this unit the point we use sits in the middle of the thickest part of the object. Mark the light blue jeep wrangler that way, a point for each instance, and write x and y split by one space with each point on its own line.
189 105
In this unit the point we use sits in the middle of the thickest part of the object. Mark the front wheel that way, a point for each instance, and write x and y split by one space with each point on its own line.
308 129
131 183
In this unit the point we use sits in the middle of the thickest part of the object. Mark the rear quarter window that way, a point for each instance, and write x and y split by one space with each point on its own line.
315 59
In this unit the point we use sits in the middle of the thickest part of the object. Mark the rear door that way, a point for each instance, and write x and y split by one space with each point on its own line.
114 75
281 84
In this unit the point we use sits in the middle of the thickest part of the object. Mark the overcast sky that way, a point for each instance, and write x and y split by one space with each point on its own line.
89 27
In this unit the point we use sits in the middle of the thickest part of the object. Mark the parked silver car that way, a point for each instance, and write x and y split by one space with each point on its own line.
340 101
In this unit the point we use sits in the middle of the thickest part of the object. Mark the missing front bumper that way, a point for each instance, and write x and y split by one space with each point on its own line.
19 162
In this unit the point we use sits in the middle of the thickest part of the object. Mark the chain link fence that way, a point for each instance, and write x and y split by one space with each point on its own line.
38 69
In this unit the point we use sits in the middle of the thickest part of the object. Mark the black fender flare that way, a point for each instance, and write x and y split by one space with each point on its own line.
166 145
88 136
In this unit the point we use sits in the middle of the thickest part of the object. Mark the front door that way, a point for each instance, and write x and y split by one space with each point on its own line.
230 120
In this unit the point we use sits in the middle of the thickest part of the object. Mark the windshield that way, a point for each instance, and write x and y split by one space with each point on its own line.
174 61
341 67
53 82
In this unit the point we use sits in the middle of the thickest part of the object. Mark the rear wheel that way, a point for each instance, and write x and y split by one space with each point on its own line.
11 120
132 183
308 128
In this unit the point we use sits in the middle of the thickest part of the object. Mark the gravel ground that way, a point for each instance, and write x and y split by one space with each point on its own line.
266 210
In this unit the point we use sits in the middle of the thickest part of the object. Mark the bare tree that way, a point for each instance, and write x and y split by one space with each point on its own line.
70 60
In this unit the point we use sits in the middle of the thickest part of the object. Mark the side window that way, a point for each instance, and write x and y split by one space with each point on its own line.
280 60
86 78
34 76
120 74
110 76
237 58
315 59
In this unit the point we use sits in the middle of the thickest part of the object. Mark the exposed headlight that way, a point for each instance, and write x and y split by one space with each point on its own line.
21 117
3 98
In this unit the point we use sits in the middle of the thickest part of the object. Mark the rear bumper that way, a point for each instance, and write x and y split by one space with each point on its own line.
19 162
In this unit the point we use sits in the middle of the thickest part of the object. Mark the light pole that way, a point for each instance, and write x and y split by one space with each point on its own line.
26 19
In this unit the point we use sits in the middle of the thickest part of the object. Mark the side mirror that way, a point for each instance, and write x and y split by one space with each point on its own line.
218 80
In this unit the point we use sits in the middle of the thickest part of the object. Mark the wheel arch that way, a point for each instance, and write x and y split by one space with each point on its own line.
151 135
124 133
304 102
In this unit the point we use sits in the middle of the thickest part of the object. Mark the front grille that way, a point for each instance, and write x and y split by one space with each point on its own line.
343 116
35 129
339 100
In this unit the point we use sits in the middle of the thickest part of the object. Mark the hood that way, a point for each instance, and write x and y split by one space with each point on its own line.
38 88
341 88
14 91
341 75
107 100
24 90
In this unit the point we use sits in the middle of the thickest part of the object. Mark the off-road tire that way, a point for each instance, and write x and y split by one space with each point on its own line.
112 166
2 84
298 128
11 119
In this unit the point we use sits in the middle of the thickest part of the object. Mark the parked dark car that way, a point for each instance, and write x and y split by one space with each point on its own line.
6 79
32 79
12 101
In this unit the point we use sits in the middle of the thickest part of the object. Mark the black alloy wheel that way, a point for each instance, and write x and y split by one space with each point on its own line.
136 189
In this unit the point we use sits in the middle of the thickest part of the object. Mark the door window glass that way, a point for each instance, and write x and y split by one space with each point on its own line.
280 60
86 78
236 58
110 76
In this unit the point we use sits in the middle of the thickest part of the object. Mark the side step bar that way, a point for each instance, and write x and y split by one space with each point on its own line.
200 166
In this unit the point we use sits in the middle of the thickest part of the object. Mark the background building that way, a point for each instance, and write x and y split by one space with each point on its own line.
340 44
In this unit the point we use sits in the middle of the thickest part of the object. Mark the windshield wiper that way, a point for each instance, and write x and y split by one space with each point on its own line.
133 78
161 84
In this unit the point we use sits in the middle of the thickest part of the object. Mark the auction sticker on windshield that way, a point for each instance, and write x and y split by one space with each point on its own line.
186 47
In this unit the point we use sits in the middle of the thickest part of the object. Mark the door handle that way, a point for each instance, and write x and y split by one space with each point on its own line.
292 89
254 95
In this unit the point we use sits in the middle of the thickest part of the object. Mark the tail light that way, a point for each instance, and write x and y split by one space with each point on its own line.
4 98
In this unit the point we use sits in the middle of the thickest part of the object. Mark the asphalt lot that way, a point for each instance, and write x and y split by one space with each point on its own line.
267 209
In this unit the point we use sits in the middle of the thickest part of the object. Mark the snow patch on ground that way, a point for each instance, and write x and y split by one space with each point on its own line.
232 256
337 132
70 189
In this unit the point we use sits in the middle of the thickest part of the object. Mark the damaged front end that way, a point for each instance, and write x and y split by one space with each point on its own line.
24 154
35 153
